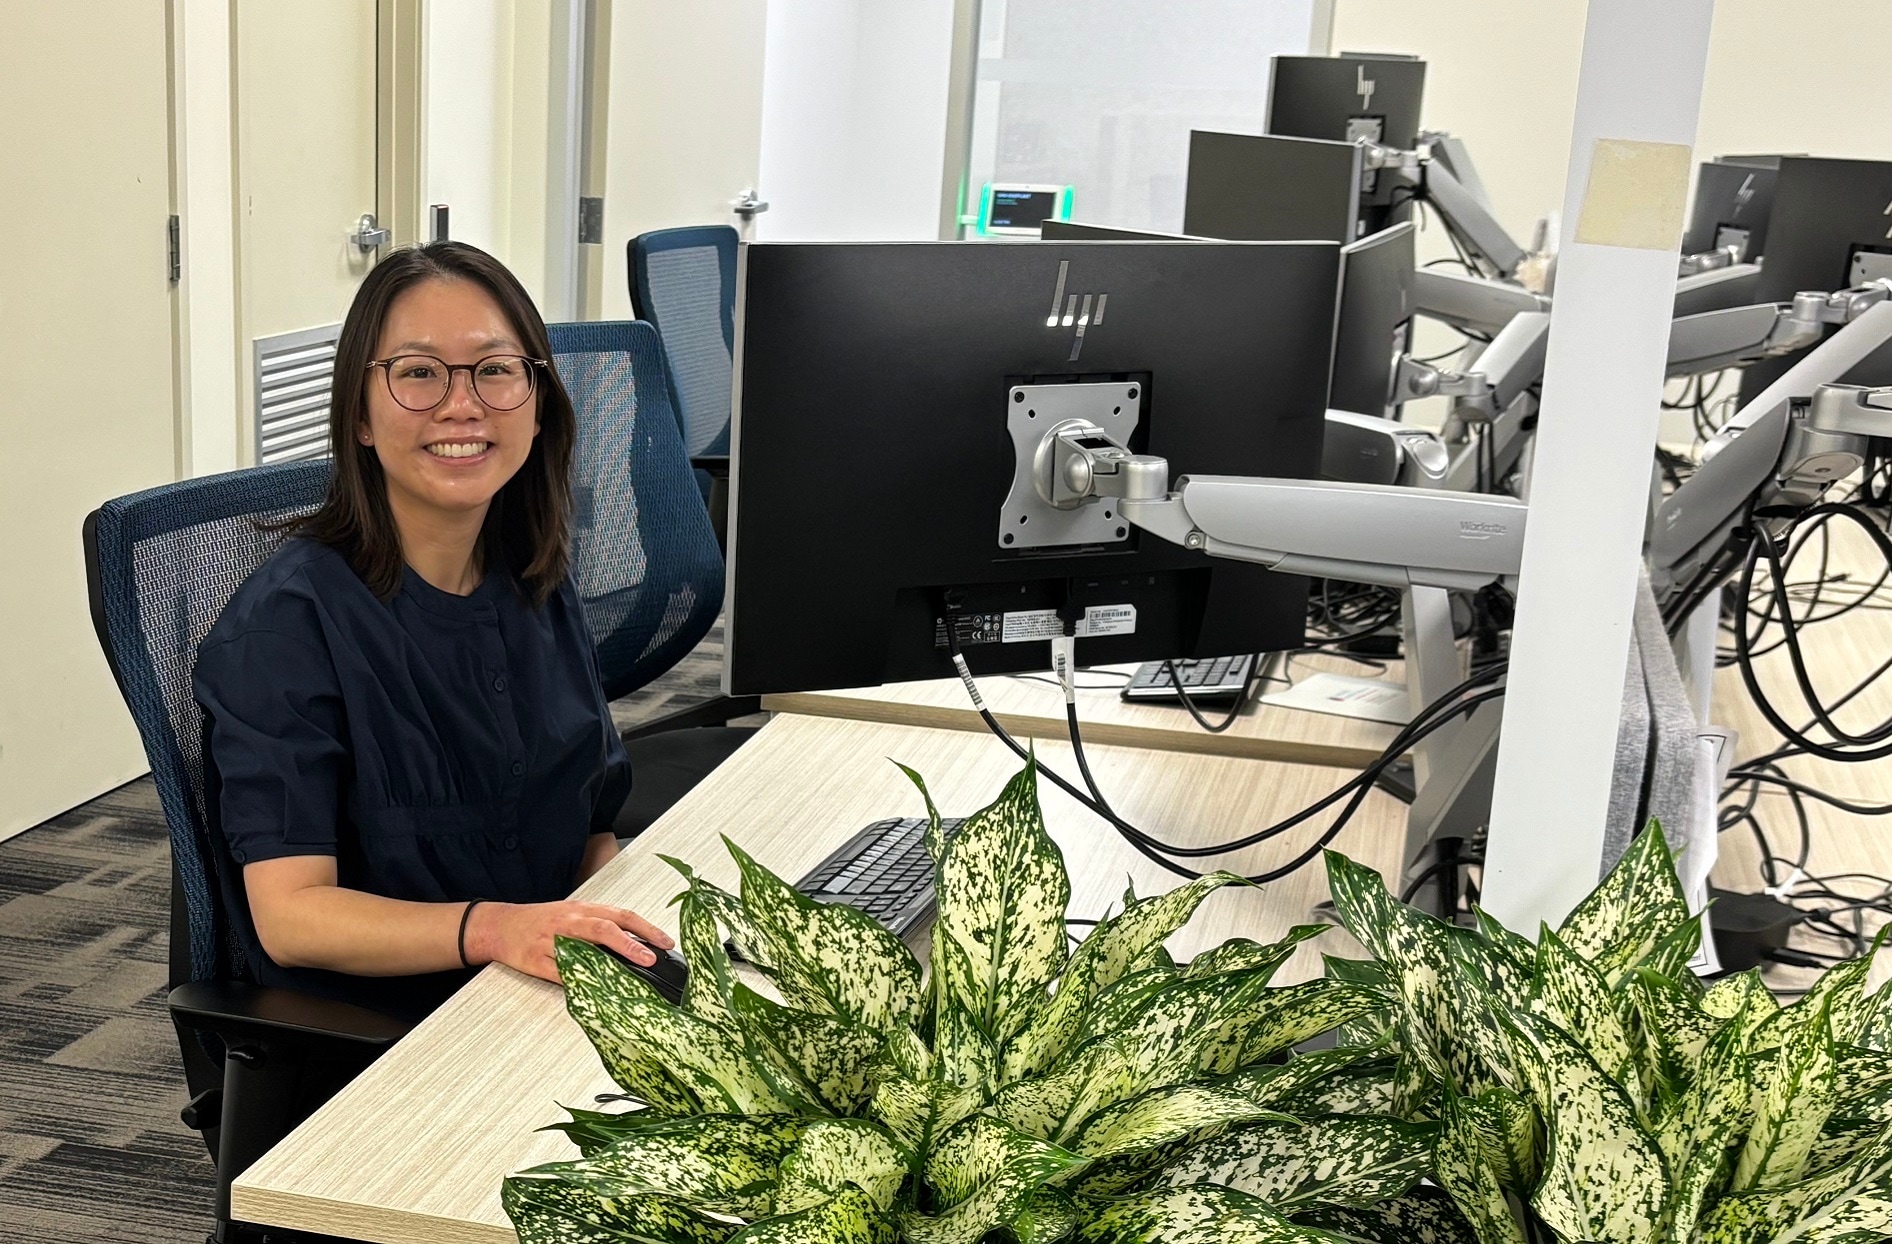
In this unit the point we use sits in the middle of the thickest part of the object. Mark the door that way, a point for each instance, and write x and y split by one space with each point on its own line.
304 99
685 120
86 408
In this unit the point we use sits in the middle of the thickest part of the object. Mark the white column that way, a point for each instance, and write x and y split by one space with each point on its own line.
1638 97
211 362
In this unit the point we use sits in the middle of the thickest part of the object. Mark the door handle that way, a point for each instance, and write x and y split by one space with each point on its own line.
367 236
749 206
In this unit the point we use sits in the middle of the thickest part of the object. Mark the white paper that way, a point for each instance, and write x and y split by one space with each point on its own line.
1366 699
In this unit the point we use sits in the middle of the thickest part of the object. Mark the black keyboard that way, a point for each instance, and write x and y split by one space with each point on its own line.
884 871
1210 679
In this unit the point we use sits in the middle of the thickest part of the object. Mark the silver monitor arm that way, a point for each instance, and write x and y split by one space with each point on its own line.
1708 261
1737 336
1472 302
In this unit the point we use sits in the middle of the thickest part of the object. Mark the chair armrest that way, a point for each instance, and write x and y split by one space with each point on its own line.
716 464
238 1011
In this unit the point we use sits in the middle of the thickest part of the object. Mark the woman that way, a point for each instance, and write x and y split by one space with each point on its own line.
408 755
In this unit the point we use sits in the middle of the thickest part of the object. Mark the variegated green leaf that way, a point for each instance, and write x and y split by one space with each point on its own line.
1241 954
1198 1214
1370 973
592 1130
1624 917
1164 1115
1791 1106
1463 1165
1744 994
728 911
1123 999
1861 1075
1002 893
1673 952
1709 1114
825 1059
1876 1031
834 1154
1445 1021
829 957
1838 999
1052 1107
1424 1215
1508 1136
1573 995
1850 1204
1178 1031
706 994
1331 1160
1842 1142
1281 1018
1670 1034
631 1027
984 1175
1364 1088
962 1051
919 1111
719 1163
546 1211
1271 1084
849 1217
1604 1178
1103 958
1414 1087
1513 948
1049 1216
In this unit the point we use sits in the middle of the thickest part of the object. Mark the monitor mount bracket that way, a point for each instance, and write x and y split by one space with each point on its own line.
1067 444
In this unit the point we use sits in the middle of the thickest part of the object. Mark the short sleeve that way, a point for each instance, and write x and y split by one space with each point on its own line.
616 786
276 734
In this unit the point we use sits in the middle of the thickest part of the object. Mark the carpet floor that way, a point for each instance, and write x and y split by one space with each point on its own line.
91 1148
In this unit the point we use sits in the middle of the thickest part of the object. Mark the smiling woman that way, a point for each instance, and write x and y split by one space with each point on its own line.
409 760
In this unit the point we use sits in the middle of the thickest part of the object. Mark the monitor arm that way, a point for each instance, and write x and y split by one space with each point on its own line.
1364 533
1709 261
1473 302
1737 336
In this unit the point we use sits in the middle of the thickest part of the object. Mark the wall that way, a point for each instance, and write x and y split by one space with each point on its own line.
854 97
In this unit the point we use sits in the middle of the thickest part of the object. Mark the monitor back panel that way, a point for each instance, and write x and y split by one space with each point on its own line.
1375 310
872 453
1256 187
1829 226
1731 201
1344 97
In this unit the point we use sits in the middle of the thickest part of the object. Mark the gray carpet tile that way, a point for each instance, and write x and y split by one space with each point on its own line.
91 1148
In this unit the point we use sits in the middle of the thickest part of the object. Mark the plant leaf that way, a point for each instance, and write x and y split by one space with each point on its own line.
1332 1160
1672 1031
1241 954
918 1111
965 1054
849 1217
1164 1115
1853 1203
1364 1088
1049 1215
1198 1214
1673 952
720 1163
706 994
728 910
984 1174
1100 961
1463 1165
1285 1017
1744 995
827 1059
1054 1106
1271 1084
1628 913
1574 995
828 957
1424 1215
1792 1103
1603 1174
547 1211
627 1021
835 1154
592 1130
1704 1120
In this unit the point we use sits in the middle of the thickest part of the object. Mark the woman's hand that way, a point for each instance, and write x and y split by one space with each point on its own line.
520 935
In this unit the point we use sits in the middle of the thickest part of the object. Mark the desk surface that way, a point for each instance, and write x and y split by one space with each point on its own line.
413 1152
1033 707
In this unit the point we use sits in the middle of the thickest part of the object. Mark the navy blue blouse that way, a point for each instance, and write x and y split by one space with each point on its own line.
440 747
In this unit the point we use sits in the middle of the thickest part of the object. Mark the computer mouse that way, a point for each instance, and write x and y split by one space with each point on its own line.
666 976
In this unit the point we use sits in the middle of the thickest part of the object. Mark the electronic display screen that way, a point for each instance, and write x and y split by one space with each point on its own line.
1022 209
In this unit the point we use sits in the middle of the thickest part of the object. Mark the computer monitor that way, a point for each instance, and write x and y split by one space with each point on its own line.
1263 188
874 457
1733 199
1375 320
1348 97
1827 231
1372 324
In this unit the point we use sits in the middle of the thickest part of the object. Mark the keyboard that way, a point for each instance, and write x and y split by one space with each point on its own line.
884 871
1211 679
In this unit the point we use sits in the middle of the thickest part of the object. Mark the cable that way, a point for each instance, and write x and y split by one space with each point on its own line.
1234 713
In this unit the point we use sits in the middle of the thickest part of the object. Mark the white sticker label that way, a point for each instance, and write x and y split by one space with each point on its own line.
1034 624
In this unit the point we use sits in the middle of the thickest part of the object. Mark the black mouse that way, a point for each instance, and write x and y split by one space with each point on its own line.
666 976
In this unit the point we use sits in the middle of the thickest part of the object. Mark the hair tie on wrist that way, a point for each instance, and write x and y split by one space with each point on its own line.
464 917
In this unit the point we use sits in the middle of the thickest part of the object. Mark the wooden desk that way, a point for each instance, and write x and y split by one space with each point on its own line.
413 1152
1034 708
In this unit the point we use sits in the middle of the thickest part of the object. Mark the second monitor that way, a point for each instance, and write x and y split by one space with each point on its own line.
882 390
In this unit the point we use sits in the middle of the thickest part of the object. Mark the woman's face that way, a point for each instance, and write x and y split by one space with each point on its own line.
455 457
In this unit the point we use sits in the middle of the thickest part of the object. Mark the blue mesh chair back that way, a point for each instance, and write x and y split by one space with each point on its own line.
168 560
644 556
684 282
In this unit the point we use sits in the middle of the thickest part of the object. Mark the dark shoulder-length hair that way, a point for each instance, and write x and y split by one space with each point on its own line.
528 526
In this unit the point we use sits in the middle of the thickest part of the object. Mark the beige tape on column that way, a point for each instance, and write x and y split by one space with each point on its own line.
1636 195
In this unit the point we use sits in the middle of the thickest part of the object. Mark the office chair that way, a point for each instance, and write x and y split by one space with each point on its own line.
644 556
160 566
684 282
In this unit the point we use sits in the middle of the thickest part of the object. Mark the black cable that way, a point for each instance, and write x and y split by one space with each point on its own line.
1241 699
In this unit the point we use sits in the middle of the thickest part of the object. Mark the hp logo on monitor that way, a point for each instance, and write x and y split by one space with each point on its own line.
1365 86
1076 311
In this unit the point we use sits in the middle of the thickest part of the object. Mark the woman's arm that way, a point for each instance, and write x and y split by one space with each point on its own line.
305 920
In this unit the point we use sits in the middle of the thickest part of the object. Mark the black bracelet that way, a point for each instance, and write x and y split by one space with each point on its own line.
464 917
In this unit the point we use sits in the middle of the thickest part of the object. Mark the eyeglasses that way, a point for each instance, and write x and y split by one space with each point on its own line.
420 382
